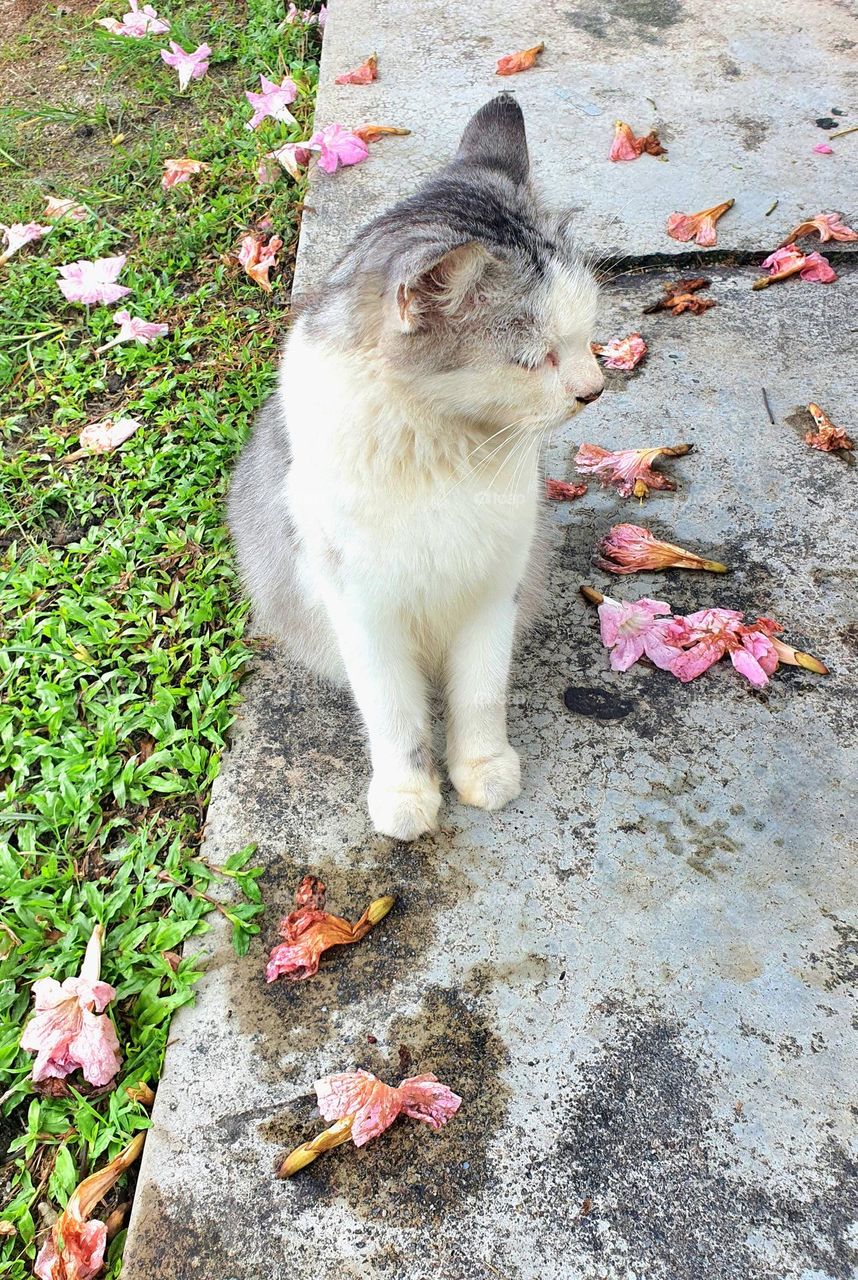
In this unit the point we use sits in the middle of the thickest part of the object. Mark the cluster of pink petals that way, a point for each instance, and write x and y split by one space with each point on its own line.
828 437
829 226
628 470
137 23
273 101
790 261
19 234
632 629
133 329
375 1105
69 1029
310 19
337 146
622 353
180 170
823 149
627 147
56 208
257 255
711 633
190 66
699 227
90 282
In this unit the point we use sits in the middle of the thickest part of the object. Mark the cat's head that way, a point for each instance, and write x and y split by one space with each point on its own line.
475 296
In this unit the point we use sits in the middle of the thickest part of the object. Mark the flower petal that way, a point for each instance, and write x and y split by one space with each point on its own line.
513 63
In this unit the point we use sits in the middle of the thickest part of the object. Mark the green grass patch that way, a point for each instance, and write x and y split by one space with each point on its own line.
120 616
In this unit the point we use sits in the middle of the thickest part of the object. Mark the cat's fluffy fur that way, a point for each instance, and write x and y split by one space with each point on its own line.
385 510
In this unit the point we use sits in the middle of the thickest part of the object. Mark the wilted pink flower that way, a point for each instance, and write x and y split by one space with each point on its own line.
629 470
309 930
628 548
714 632
19 234
176 171
627 147
337 146
137 23
560 491
258 255
375 1105
90 282
307 16
56 208
273 101
632 629
621 353
823 149
75 1248
524 60
69 1028
699 227
830 226
364 74
132 329
104 437
789 261
292 156
189 65
828 437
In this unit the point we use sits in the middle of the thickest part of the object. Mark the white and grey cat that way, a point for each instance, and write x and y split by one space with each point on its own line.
386 508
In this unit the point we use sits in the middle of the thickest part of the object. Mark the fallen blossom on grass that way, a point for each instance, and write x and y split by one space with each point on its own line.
19 234
258 255
273 100
364 74
827 437
512 63
374 132
90 282
560 491
56 208
137 23
181 170
790 261
293 156
309 930
337 146
310 19
362 1107
682 296
190 66
69 1029
133 329
621 353
628 470
823 149
829 226
628 548
627 147
75 1248
699 227
103 437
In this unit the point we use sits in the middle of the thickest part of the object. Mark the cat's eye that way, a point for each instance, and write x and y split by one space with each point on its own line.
551 359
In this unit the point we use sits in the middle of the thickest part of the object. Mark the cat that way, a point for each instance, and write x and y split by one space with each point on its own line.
386 509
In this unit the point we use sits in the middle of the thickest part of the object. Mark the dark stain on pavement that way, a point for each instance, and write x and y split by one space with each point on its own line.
626 20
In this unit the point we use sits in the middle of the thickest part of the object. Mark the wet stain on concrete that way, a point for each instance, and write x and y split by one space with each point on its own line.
412 1177
601 704
753 131
626 20
641 1141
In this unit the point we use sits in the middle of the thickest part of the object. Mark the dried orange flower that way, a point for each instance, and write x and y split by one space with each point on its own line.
309 930
627 548
681 297
372 132
364 74
560 491
699 227
515 62
827 438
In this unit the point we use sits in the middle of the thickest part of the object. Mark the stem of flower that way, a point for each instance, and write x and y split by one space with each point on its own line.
591 595
338 1133
841 133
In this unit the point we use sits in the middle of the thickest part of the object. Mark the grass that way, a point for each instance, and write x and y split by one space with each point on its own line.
121 618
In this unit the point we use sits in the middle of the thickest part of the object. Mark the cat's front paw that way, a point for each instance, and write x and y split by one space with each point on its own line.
404 810
490 782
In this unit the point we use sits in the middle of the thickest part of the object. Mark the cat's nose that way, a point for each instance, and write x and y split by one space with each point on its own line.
594 395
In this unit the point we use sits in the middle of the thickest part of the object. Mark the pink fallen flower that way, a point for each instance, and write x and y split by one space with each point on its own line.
180 170
628 548
56 208
699 227
829 226
75 1248
789 261
828 437
133 329
293 156
89 282
713 632
337 146
104 437
310 19
627 147
560 491
19 234
823 149
632 629
621 353
137 23
309 931
190 66
513 63
628 470
273 101
258 255
364 74
69 1028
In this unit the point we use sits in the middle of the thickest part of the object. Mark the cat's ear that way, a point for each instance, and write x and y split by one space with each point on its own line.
495 138
442 288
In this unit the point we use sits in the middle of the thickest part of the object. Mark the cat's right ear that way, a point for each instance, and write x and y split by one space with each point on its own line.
495 138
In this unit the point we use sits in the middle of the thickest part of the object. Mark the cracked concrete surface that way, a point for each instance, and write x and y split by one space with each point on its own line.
638 975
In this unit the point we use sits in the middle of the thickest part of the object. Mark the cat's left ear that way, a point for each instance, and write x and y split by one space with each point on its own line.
442 289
